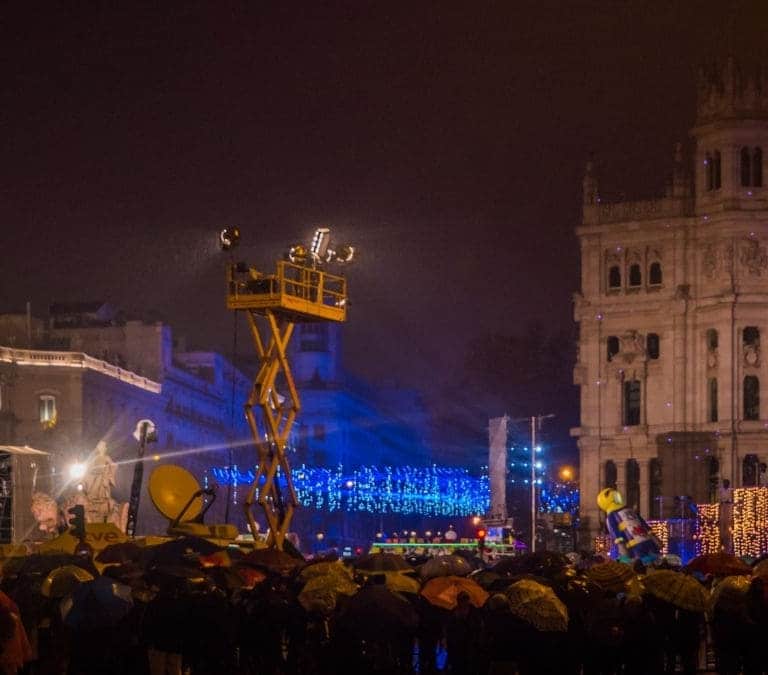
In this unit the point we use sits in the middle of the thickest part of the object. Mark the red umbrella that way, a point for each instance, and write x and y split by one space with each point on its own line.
719 564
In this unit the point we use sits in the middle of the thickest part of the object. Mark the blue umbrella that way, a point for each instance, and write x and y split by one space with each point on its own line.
101 603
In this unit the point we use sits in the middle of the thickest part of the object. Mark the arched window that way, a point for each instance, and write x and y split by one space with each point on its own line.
654 488
635 276
716 170
751 336
614 277
632 469
751 398
611 475
757 167
714 480
711 339
710 183
46 405
613 346
749 469
652 345
746 167
632 403
712 400
654 274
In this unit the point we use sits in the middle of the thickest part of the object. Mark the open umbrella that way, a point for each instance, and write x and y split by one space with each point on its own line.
273 560
679 589
538 605
611 575
320 593
100 603
122 552
63 580
730 595
719 564
325 568
445 565
382 562
183 549
401 582
375 611
540 563
443 591
250 575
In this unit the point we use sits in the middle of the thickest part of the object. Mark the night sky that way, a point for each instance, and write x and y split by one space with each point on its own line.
446 140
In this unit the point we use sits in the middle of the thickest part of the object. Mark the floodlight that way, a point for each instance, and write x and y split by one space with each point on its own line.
320 241
344 253
77 470
297 254
229 238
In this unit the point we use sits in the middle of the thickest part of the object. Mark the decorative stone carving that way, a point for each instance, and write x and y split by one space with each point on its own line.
717 260
712 358
632 346
752 354
753 257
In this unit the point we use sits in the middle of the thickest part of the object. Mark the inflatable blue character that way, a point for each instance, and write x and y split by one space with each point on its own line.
627 529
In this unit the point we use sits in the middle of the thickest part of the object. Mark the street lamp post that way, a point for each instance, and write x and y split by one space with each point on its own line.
535 423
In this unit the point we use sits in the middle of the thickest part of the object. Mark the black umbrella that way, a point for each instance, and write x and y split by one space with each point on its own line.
376 610
180 550
382 562
41 565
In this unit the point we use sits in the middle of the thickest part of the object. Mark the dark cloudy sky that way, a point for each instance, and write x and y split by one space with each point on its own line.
446 140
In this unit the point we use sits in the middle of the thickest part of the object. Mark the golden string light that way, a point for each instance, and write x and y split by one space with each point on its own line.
707 528
750 521
660 528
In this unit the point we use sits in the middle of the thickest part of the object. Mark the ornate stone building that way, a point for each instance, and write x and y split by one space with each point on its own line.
672 313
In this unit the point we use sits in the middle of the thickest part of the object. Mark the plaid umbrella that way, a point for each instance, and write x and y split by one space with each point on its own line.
730 595
610 575
443 591
720 564
538 605
320 593
445 565
382 562
679 589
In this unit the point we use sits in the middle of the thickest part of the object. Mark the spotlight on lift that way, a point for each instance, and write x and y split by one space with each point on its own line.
297 254
343 254
320 241
229 238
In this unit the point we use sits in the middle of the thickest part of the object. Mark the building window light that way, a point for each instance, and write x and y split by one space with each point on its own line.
47 410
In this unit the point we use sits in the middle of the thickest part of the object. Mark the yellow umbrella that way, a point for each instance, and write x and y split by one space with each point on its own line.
444 591
325 568
63 580
538 605
679 589
401 583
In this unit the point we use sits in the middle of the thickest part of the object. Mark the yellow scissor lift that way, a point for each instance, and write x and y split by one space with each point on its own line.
294 294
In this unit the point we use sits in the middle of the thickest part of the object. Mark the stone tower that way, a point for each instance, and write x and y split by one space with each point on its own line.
672 311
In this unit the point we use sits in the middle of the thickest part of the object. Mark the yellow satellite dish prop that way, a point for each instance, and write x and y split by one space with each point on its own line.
170 488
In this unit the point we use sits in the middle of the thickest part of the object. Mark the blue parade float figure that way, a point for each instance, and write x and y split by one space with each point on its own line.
627 529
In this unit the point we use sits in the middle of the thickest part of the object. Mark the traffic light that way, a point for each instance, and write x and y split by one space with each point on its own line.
77 522
481 540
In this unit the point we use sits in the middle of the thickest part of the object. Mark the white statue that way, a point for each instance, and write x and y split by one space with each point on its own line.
97 486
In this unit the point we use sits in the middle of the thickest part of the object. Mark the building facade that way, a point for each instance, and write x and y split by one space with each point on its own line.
672 311
72 381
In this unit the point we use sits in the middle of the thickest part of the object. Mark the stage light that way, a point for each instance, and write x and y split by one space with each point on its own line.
320 241
297 254
77 470
343 254
229 238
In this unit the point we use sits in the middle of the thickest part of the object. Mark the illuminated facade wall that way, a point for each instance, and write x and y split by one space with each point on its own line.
88 399
671 313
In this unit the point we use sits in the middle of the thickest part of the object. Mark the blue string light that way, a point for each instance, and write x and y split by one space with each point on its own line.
426 491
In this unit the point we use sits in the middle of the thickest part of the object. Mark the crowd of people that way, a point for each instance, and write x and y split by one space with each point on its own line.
186 606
